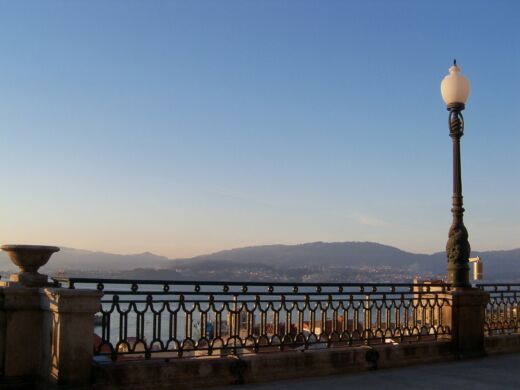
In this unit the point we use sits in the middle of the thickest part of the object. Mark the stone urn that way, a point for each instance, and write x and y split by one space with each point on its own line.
29 258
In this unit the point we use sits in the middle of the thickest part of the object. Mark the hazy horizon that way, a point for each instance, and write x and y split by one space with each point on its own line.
186 128
317 261
272 244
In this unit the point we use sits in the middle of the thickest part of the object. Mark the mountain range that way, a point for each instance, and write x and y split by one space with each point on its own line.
257 262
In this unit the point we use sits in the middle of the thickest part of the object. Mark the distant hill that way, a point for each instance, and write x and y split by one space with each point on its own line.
354 254
272 260
78 259
498 265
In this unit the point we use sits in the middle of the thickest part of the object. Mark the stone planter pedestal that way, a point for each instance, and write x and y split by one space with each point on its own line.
29 258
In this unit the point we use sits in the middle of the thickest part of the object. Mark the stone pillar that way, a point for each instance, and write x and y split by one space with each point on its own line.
46 335
20 334
467 321
68 329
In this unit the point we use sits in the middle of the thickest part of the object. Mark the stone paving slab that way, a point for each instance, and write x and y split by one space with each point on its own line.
495 372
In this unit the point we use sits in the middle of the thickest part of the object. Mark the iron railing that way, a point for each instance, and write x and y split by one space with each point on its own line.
168 319
503 309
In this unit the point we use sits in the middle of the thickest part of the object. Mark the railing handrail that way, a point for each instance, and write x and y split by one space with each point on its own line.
239 283
242 289
499 287
497 284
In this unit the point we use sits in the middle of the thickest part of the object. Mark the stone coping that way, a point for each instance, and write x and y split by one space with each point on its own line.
54 299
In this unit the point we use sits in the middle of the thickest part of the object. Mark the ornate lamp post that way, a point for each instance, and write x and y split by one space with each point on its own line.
455 92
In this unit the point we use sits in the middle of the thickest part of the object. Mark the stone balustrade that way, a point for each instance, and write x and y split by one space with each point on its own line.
47 332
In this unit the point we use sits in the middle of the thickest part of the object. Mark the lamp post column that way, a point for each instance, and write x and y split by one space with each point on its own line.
457 248
455 92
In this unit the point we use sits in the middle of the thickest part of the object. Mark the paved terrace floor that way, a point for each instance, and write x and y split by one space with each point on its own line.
496 372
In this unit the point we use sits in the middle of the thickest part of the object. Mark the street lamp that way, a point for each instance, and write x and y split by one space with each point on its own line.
455 92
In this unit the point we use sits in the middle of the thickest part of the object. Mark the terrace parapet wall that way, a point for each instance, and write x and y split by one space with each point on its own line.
192 373
264 367
46 338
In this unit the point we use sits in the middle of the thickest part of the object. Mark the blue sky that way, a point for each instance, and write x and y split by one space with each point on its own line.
187 127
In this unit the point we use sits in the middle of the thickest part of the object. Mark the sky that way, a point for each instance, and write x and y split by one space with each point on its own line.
187 127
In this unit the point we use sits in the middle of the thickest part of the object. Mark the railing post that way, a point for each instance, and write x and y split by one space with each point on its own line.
68 324
467 321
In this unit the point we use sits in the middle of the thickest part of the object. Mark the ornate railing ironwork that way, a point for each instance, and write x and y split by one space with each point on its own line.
503 309
170 319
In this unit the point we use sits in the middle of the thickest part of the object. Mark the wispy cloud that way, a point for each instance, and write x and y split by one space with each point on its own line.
369 220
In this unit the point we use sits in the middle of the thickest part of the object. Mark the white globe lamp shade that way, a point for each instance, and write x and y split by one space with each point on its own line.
455 87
